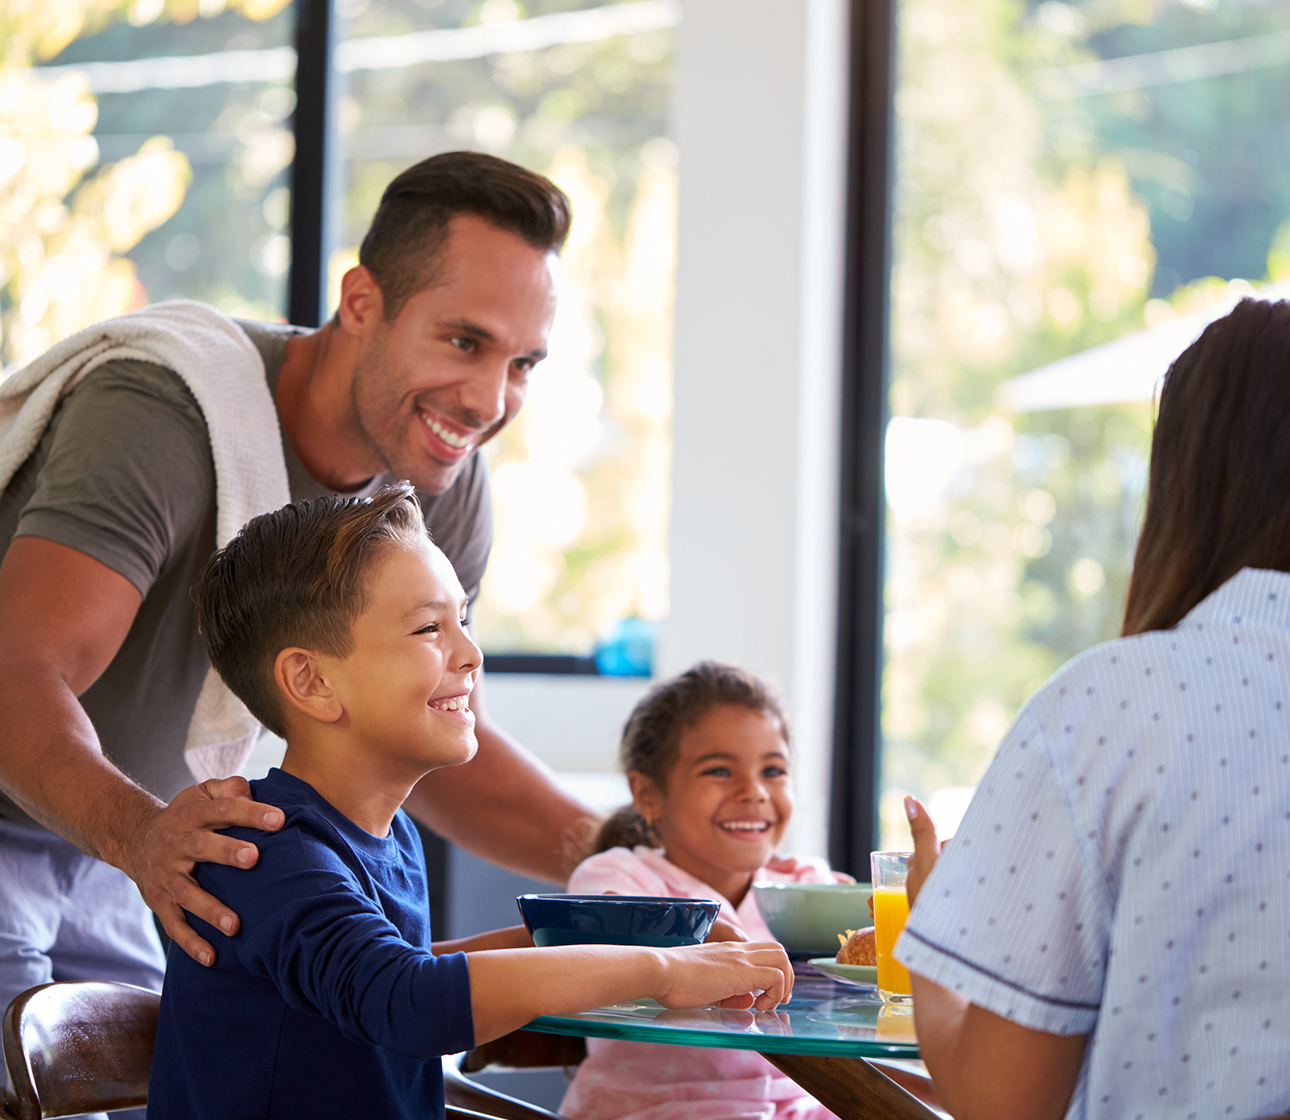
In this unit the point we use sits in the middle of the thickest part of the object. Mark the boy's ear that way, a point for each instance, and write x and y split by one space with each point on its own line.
647 798
299 677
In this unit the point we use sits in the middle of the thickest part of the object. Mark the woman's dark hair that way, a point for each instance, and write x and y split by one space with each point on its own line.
410 226
1218 498
652 734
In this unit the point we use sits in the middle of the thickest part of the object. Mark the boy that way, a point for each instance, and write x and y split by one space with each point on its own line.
343 629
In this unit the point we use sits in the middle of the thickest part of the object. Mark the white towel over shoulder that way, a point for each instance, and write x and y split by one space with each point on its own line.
225 373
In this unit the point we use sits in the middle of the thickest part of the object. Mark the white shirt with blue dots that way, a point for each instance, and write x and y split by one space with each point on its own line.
1124 867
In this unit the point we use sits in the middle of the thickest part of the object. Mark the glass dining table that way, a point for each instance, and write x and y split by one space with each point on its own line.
823 1038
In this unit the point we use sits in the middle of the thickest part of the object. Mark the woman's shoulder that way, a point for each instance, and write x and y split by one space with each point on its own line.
1113 672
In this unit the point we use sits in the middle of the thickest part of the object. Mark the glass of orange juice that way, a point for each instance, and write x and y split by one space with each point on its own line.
890 909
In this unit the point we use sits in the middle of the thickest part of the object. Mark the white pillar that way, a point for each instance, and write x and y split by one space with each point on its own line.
760 121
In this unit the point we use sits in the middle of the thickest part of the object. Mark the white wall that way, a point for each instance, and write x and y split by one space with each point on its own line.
760 122
759 111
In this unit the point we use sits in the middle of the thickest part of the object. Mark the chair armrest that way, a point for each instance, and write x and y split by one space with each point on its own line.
526 1050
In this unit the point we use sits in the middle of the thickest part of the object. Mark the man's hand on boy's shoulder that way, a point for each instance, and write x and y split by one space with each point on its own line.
183 834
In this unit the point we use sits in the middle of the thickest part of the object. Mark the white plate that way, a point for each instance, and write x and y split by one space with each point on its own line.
861 975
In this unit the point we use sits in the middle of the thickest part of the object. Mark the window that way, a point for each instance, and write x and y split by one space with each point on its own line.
176 138
579 92
161 167
1066 175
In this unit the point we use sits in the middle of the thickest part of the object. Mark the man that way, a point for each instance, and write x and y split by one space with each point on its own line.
106 524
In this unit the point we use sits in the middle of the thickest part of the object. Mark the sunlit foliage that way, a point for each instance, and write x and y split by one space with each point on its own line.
66 223
1029 228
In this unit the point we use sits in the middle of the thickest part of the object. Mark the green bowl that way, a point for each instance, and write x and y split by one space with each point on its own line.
806 918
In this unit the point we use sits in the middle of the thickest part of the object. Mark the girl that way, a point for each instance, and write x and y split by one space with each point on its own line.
1109 923
707 758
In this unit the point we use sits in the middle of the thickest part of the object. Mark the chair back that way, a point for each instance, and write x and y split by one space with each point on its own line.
81 1046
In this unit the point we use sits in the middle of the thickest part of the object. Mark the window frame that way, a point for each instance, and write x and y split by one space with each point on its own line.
862 513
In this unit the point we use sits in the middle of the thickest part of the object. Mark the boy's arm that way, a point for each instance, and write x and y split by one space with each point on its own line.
329 949
509 988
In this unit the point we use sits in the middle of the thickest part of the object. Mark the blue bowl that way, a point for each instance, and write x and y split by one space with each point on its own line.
616 919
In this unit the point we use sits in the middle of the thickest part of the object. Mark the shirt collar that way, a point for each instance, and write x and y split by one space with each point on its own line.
1254 597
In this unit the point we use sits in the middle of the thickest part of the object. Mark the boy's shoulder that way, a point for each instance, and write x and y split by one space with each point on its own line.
315 836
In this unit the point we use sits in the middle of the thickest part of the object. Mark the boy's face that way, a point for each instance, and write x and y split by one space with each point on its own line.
406 683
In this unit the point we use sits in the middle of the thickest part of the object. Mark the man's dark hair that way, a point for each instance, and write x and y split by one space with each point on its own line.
1218 491
410 226
296 577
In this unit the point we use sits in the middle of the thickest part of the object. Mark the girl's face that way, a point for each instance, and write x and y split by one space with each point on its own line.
727 800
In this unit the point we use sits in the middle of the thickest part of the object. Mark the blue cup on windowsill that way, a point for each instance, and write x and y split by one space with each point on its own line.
628 649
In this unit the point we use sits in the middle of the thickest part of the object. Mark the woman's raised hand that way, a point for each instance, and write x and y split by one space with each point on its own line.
726 974
926 847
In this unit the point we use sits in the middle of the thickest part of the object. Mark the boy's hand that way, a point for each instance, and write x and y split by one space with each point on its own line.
182 835
726 974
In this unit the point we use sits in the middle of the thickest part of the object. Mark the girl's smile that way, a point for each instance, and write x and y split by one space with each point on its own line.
727 799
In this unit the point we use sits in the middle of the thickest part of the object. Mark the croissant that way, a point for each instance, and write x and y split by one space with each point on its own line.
857 947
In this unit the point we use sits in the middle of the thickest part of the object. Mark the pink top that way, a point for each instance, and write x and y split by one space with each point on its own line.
651 1081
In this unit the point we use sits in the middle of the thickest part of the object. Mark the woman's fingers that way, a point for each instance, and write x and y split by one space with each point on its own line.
926 848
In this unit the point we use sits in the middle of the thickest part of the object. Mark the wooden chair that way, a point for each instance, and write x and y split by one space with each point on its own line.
517 1050
78 1047
86 1046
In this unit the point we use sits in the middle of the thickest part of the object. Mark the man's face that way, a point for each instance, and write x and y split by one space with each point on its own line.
451 369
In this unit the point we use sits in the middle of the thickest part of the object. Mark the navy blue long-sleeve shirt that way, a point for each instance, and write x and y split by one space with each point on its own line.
328 1000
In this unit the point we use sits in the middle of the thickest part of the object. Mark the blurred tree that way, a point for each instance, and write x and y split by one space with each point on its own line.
581 478
1041 198
63 236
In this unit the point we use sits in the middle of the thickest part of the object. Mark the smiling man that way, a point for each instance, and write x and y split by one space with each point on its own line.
106 524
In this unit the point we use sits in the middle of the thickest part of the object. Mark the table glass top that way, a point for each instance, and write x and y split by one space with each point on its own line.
823 1017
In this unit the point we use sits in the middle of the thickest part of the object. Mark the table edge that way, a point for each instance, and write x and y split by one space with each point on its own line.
766 1044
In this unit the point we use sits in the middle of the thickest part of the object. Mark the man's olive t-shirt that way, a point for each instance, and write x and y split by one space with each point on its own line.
124 474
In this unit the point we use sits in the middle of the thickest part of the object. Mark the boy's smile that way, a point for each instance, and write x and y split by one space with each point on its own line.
405 685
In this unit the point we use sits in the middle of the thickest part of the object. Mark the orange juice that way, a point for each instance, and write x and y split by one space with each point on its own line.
890 909
895 1023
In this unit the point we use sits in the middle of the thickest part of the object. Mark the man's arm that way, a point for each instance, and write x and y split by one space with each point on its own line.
512 937
63 617
504 806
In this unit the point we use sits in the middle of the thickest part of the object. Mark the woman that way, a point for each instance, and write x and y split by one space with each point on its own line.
1106 936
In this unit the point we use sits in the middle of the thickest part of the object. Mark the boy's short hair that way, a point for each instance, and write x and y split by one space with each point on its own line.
402 246
296 577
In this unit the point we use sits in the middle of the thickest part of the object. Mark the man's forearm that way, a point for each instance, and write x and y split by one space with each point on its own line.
52 766
504 807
